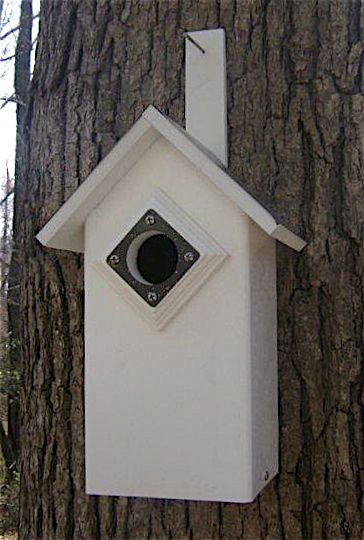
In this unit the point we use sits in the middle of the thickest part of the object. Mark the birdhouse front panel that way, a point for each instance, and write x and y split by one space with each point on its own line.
179 318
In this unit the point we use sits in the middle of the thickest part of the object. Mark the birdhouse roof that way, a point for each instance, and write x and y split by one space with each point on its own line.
65 230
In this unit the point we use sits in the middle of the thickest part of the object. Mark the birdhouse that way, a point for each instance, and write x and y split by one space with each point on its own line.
180 311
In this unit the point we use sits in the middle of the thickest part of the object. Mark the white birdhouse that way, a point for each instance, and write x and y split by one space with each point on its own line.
180 314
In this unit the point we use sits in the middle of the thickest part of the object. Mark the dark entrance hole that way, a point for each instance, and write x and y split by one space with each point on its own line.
157 258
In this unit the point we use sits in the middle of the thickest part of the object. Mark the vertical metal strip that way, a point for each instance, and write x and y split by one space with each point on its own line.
206 116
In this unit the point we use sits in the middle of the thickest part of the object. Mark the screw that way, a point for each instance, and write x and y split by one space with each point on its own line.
189 256
266 476
114 260
152 297
149 219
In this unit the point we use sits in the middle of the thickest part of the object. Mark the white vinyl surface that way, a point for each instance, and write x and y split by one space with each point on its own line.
171 413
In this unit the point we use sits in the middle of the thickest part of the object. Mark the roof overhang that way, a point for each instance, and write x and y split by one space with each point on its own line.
65 230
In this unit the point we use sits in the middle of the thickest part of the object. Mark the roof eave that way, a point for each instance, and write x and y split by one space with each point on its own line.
65 230
214 170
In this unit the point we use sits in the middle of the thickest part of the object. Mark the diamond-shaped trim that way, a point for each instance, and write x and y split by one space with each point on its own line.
211 256
152 222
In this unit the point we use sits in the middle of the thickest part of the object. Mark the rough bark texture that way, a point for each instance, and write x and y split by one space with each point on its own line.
296 122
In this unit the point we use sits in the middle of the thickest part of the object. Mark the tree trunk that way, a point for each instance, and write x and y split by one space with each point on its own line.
296 121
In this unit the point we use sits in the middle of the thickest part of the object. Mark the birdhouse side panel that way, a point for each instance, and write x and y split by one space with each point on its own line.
264 371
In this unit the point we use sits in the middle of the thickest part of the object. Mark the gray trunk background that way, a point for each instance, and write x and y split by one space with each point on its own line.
296 128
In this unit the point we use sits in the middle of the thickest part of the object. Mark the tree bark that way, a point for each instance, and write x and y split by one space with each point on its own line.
296 121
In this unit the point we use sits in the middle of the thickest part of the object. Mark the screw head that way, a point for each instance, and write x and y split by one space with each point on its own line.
266 476
114 260
189 256
149 219
152 297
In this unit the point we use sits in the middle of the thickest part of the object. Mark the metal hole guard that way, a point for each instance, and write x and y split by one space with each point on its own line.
153 294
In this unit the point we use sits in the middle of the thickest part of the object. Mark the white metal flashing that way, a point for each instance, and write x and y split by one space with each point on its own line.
65 230
206 90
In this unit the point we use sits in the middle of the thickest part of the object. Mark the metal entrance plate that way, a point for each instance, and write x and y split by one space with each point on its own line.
152 258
